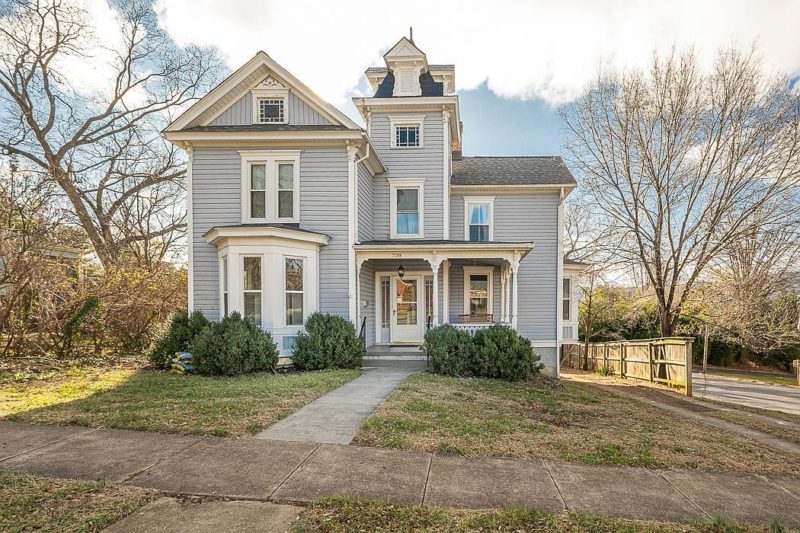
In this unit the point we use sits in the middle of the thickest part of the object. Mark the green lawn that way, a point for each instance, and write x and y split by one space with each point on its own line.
570 422
153 400
34 503
343 515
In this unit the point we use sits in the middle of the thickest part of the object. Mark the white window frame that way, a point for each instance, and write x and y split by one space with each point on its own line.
224 285
406 183
262 284
479 270
478 200
407 120
271 159
277 93
303 292
566 298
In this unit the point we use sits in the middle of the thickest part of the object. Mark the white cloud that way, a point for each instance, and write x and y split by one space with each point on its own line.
523 49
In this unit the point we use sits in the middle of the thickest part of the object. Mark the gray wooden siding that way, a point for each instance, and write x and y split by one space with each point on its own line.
365 203
525 217
216 200
241 112
367 293
425 162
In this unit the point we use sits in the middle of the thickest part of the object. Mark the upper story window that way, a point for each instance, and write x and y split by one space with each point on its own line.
479 218
269 102
270 186
406 208
271 110
406 131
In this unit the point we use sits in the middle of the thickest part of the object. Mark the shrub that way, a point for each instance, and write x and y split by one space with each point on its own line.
178 337
495 352
605 370
233 346
329 341
448 350
500 352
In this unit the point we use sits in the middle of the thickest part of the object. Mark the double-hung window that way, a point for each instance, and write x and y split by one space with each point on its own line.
270 186
406 131
478 217
406 208
478 291
294 291
251 288
566 299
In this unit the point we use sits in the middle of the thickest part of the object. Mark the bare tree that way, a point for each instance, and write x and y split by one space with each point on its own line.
101 147
682 163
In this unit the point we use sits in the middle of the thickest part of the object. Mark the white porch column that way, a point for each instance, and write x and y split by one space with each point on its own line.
359 263
446 291
435 263
502 293
514 291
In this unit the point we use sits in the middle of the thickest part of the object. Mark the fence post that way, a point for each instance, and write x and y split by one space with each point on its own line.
622 356
650 358
688 367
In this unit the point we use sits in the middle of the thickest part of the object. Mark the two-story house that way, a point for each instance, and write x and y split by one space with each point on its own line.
294 208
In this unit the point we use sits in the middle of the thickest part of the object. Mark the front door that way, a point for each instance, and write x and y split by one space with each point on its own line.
407 313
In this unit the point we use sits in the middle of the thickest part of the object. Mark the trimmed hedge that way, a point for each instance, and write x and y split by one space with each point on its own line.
233 346
178 337
329 341
495 352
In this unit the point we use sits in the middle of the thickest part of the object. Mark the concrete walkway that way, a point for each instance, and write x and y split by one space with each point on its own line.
293 472
335 417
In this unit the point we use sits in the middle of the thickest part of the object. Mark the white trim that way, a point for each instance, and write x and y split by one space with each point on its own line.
219 235
352 199
559 278
189 229
406 183
271 160
478 200
262 59
479 270
472 189
224 272
257 108
446 154
406 120
247 135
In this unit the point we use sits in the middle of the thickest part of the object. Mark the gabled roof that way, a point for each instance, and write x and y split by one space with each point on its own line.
404 48
241 81
515 171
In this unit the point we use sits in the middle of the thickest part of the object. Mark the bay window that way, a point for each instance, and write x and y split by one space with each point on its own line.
251 288
294 291
566 299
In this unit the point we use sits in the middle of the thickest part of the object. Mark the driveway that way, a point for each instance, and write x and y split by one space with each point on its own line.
747 393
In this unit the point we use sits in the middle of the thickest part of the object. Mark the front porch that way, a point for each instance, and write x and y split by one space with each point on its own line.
404 288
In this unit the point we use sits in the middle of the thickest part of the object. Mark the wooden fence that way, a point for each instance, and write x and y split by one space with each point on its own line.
664 360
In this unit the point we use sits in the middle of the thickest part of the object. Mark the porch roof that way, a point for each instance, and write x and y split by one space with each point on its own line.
442 249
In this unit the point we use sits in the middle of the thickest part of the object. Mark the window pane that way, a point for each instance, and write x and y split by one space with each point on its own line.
407 200
479 214
252 306
225 304
406 314
285 176
285 204
252 273
408 223
479 233
258 205
270 110
565 310
258 177
386 302
478 306
479 285
565 287
294 308
225 274
294 274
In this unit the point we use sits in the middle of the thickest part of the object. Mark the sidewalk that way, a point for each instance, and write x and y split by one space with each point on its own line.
335 417
300 472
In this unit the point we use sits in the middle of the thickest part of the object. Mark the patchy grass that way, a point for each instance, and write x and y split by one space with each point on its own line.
570 421
776 427
343 514
757 376
152 400
33 503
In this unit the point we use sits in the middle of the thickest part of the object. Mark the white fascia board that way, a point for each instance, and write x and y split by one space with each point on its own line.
472 189
215 236
192 136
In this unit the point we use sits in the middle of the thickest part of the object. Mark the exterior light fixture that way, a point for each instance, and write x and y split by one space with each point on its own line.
401 272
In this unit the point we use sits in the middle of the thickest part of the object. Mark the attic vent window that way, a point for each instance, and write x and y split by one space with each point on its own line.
270 110
406 82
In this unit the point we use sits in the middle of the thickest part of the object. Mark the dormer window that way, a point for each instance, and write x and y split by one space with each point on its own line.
269 102
406 131
270 110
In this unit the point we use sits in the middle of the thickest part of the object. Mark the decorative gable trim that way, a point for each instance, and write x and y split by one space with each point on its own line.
270 89
260 61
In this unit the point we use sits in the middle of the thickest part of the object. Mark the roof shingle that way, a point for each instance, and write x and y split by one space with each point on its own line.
534 170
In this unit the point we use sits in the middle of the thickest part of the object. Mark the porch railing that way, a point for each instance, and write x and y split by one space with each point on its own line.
473 327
